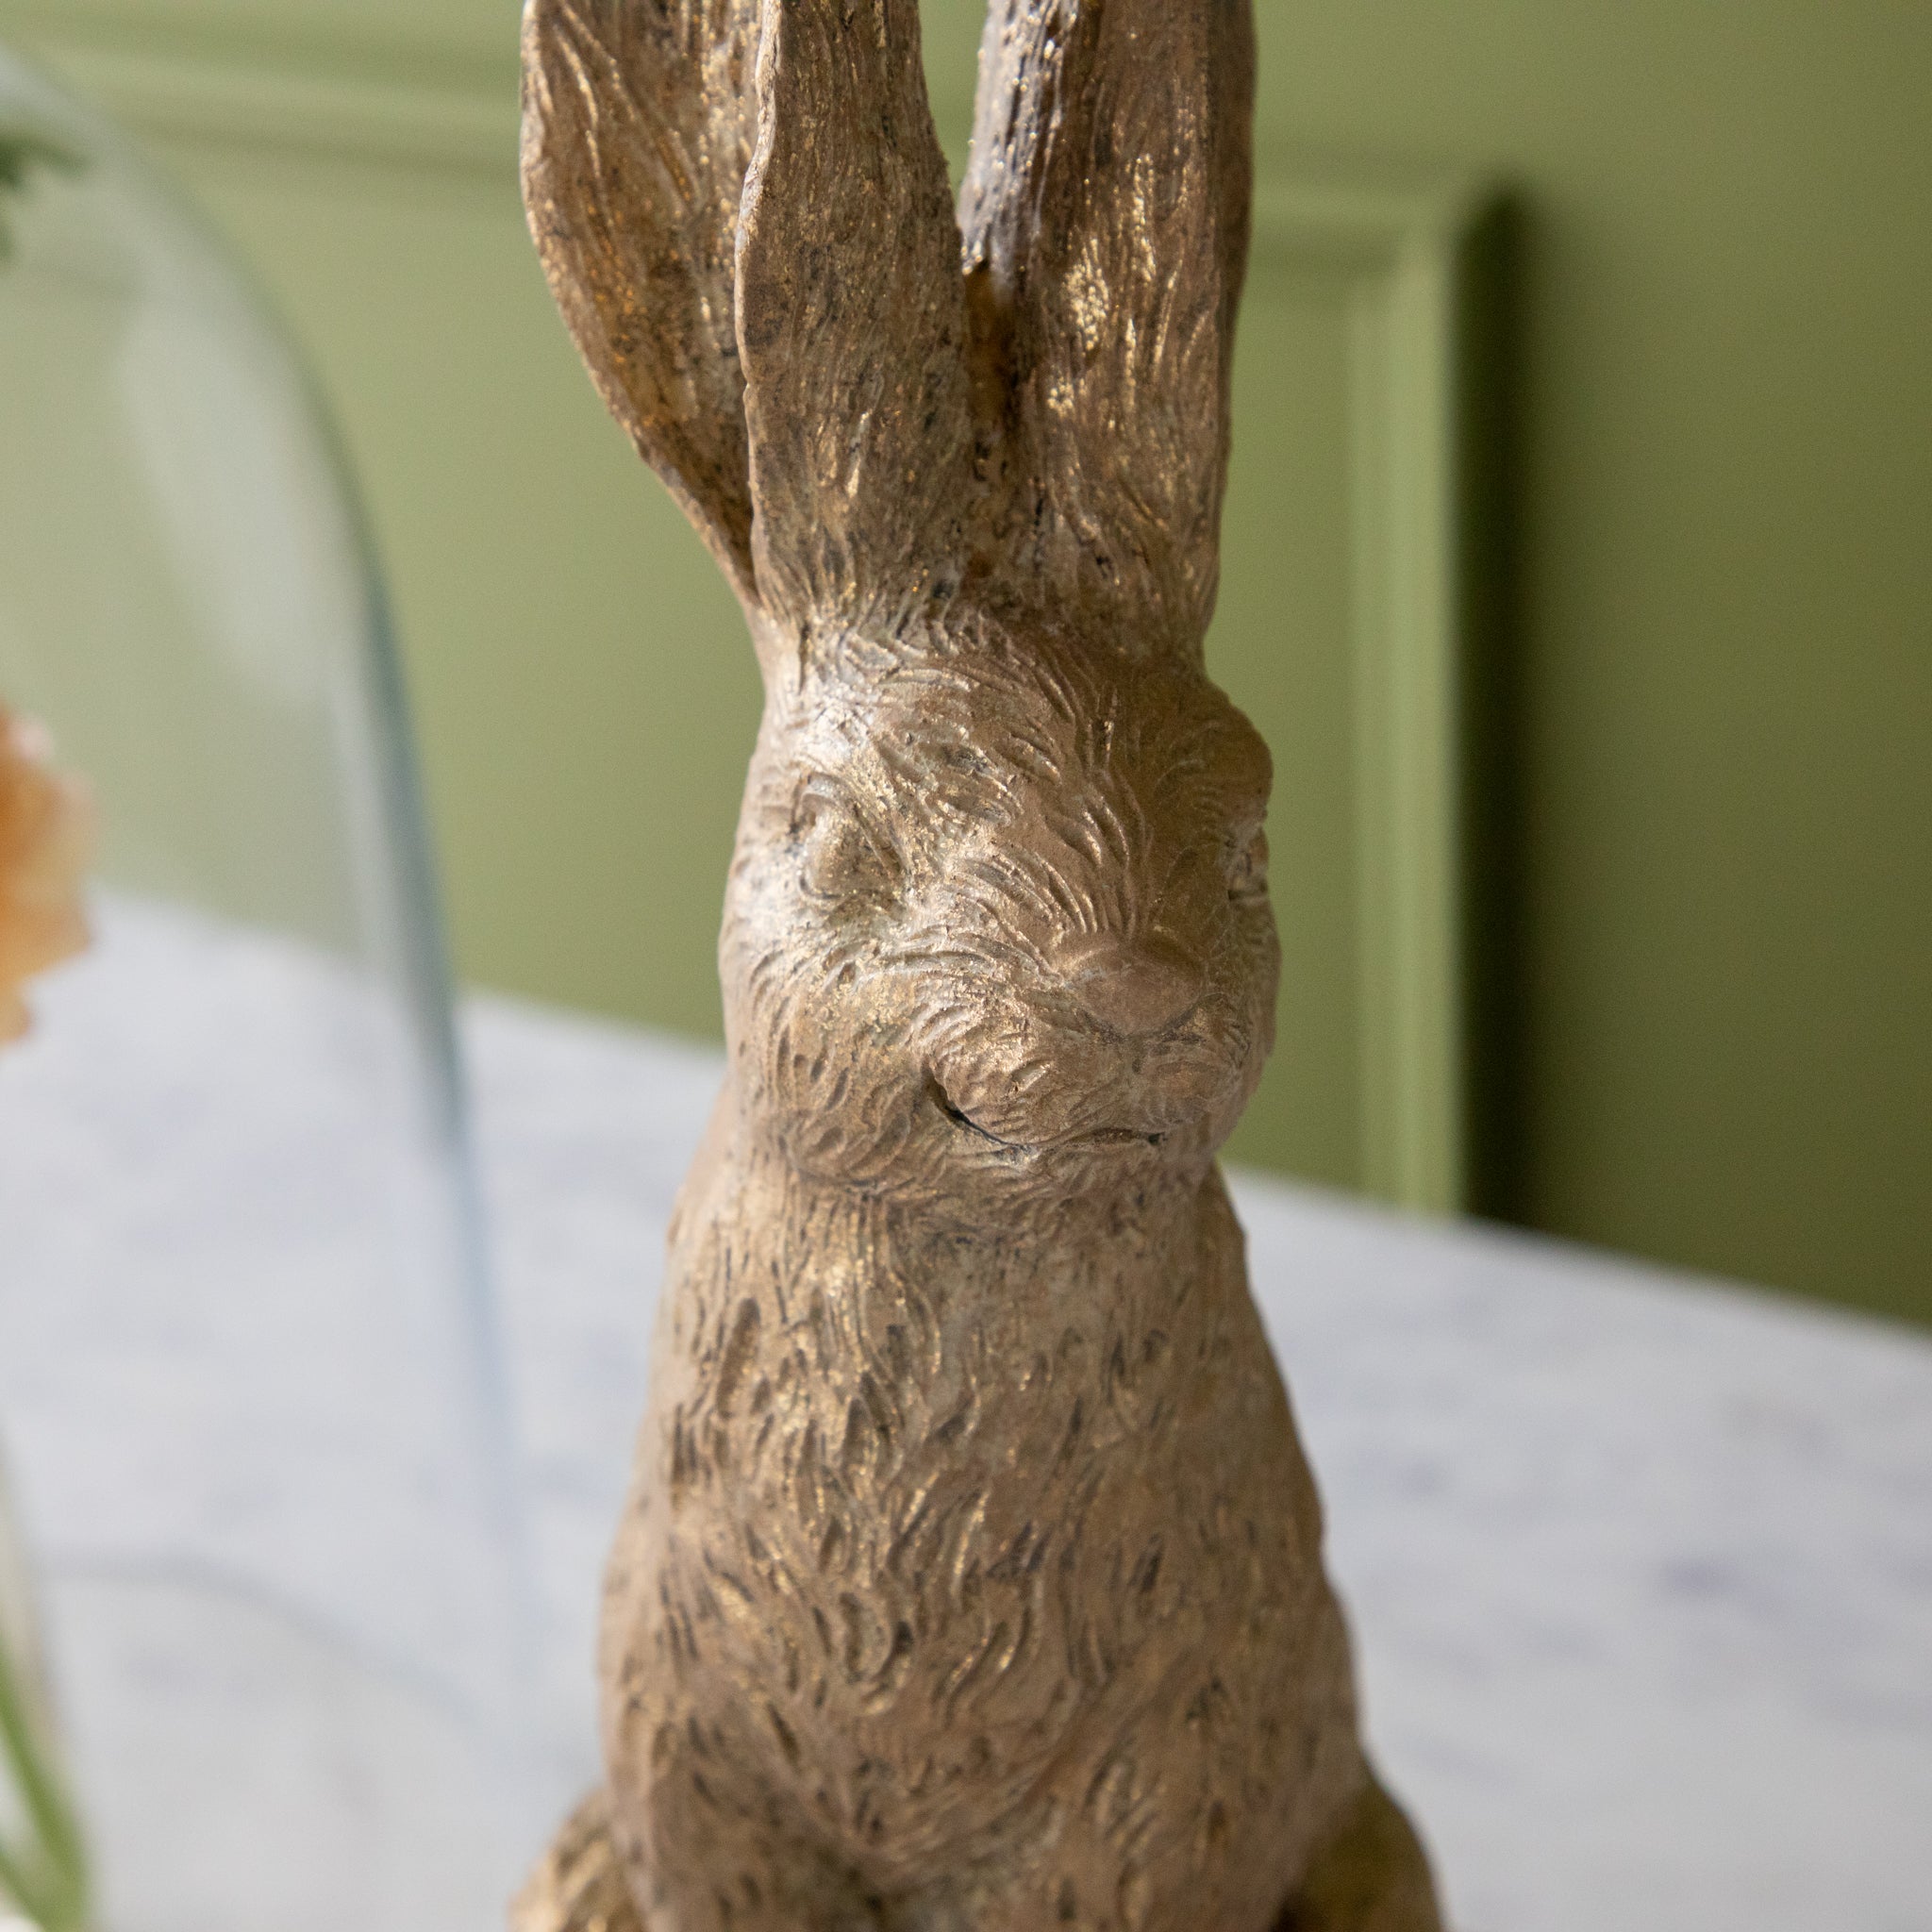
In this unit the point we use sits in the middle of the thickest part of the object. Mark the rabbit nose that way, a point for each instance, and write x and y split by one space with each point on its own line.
1134 987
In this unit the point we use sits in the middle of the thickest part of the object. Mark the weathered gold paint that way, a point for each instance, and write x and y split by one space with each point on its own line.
972 1575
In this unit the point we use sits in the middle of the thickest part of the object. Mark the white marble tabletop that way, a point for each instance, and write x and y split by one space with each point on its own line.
1641 1565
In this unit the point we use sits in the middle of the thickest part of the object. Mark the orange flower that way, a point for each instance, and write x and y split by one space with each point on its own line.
46 827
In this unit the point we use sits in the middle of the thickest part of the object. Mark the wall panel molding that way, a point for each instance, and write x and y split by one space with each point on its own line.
296 84
1401 251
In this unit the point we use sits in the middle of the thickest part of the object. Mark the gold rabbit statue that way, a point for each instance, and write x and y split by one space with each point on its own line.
971 1580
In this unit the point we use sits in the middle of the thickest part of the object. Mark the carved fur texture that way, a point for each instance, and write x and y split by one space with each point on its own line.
972 1579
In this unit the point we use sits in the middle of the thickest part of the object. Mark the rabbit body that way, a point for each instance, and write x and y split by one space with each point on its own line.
973 1573
971 1579
1013 1620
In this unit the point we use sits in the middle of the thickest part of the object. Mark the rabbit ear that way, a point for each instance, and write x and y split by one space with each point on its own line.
1106 217
639 124
850 322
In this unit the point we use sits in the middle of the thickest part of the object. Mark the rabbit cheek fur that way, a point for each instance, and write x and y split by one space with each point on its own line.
972 1576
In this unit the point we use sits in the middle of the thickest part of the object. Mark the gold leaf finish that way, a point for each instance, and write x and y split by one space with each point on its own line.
852 324
1105 212
637 129
971 1580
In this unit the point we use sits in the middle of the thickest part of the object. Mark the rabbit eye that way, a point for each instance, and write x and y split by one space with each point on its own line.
1247 868
842 858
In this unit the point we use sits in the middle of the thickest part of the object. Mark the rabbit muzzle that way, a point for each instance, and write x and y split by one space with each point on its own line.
1138 1060
1134 990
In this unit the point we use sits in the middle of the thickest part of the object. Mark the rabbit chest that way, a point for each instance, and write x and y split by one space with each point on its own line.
925 1518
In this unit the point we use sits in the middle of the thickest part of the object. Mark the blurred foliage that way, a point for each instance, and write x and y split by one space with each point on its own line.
22 150
44 1861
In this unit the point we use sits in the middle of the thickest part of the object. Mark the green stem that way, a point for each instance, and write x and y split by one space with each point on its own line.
53 1887
18 1888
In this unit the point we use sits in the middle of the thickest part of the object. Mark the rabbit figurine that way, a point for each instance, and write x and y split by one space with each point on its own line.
971 1580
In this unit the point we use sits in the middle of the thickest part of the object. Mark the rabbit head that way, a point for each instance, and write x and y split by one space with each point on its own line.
997 922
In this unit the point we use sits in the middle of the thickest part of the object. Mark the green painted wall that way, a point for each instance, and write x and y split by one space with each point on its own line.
1726 677
1722 693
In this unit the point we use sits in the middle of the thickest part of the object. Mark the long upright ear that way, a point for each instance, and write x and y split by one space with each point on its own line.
1106 218
850 322
638 124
